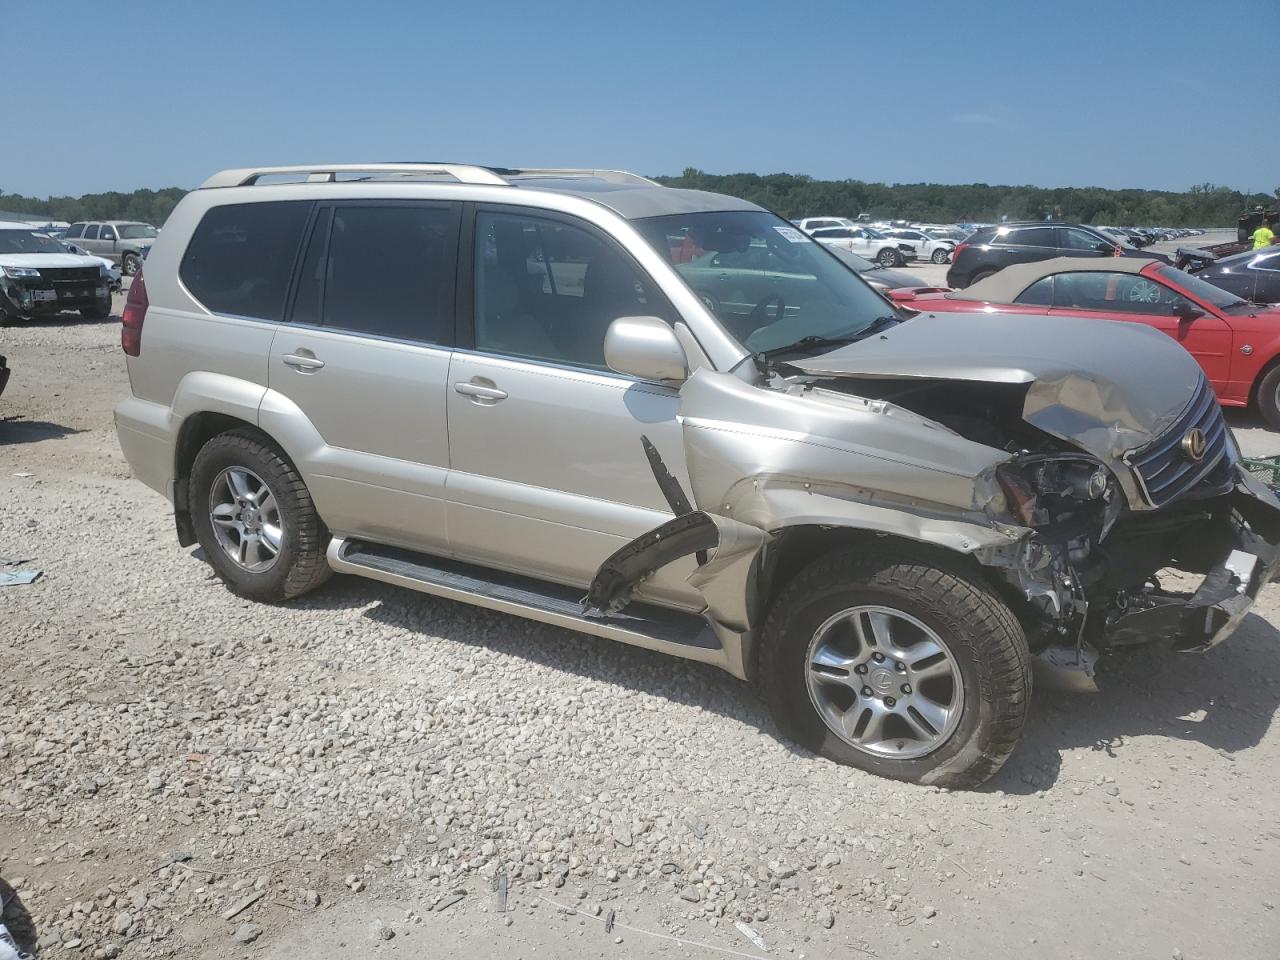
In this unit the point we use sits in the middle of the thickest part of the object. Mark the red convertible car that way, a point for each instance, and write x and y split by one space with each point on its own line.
1236 342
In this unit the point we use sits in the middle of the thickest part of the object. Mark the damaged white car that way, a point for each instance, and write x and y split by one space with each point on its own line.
672 419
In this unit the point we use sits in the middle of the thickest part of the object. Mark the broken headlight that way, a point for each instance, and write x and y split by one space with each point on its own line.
1042 491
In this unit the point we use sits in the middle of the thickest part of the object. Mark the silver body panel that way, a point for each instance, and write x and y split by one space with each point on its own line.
537 469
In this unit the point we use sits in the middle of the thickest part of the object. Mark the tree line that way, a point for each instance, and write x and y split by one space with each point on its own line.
794 195
149 206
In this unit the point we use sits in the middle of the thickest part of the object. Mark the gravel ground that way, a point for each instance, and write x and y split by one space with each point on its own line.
370 769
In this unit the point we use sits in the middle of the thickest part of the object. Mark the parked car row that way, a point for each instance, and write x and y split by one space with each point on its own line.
991 249
887 245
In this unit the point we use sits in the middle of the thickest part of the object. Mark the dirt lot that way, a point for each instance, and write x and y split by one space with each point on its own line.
381 766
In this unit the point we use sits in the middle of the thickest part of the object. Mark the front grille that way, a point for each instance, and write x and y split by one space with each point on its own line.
63 278
1166 471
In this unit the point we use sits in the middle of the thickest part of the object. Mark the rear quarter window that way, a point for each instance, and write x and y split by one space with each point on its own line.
241 257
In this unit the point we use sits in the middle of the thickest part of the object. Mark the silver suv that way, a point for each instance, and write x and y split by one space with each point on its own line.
124 242
670 418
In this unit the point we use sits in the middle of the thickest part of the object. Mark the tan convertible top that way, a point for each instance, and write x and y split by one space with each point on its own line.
1005 286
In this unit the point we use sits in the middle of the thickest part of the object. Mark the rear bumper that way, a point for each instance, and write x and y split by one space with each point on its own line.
148 434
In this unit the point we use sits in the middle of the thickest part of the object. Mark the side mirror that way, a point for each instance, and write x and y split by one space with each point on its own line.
1107 248
1186 312
645 347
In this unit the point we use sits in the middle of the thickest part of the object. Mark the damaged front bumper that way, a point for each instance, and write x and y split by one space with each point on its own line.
1196 622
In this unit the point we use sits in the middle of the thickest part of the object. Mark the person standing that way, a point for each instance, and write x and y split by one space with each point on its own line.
1263 236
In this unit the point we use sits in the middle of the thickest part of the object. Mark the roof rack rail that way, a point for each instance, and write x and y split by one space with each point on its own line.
328 173
609 176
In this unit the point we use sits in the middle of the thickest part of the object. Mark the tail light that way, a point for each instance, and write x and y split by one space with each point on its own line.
135 311
960 248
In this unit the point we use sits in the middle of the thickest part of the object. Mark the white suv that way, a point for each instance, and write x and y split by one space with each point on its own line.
670 418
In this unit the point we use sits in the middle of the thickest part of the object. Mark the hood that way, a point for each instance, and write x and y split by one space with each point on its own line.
1106 387
894 278
47 260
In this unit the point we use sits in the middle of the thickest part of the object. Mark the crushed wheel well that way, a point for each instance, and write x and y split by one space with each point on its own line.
794 548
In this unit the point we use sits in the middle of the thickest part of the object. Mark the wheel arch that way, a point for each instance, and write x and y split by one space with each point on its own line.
1274 349
793 548
197 429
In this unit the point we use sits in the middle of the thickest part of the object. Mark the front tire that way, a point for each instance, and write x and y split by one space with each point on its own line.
902 665
130 264
255 519
99 311
1269 397
888 257
941 255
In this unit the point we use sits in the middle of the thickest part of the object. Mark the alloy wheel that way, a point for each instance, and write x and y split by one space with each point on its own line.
246 519
884 682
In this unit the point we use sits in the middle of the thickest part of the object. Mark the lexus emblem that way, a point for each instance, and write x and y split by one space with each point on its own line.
1193 444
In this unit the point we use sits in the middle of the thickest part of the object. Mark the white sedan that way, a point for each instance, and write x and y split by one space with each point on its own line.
867 242
926 245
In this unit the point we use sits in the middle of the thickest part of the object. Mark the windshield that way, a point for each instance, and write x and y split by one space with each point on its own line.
137 231
767 282
25 241
1196 287
852 260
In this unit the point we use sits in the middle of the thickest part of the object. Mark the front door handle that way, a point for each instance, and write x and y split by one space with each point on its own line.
302 362
479 392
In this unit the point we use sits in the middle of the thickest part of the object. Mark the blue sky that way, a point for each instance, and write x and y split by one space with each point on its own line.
1047 92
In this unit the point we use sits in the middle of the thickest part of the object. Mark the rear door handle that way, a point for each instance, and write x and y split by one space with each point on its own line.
301 361
480 392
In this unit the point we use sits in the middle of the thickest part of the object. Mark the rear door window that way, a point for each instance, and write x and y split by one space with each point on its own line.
385 270
1039 294
91 232
1030 237
241 257
1079 240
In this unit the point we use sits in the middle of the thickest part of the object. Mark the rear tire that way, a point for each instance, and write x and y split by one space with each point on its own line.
298 563
980 659
1269 397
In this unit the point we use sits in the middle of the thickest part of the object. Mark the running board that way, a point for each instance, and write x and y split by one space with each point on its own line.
686 635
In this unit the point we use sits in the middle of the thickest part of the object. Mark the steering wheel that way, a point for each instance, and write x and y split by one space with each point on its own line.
756 318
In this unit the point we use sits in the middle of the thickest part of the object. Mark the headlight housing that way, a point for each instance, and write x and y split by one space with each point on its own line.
1041 490
17 272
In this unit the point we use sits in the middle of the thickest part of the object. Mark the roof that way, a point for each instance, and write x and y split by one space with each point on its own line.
635 201
16 225
628 194
1005 286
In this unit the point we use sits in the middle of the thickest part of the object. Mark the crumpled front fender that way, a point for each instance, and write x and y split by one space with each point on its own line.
731 547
